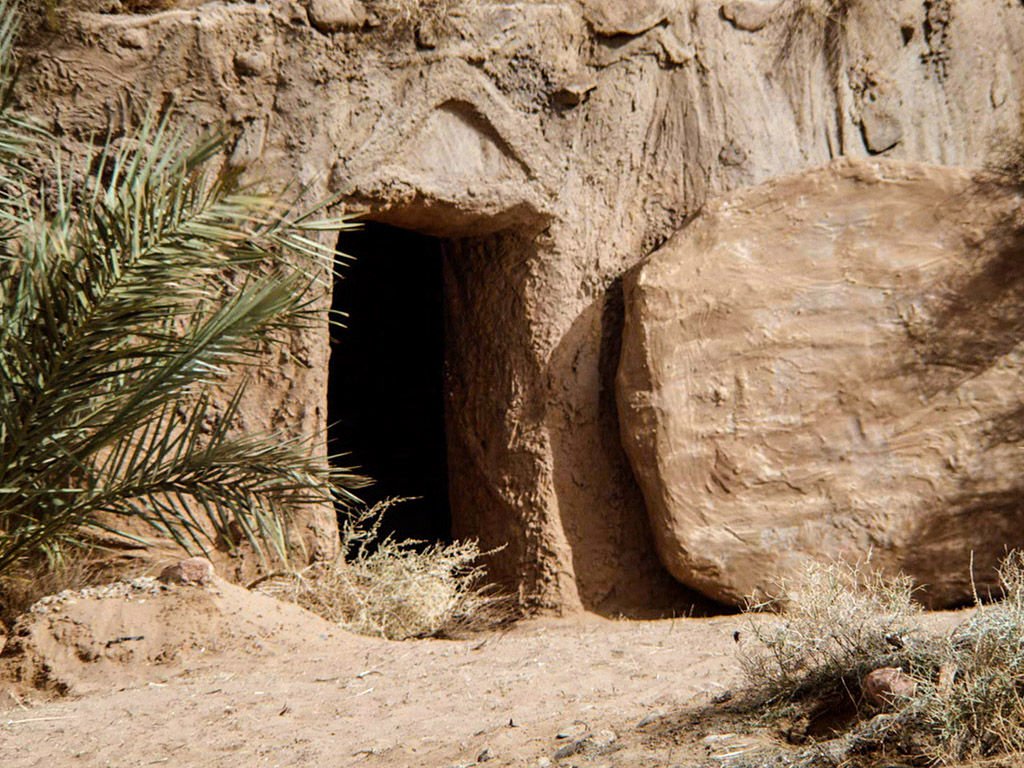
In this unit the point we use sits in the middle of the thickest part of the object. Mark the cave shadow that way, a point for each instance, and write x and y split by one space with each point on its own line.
979 318
602 509
972 324
970 537
385 400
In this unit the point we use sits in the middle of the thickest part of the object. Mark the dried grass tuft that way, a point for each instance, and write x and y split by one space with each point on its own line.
22 587
975 708
810 29
395 590
838 622
400 16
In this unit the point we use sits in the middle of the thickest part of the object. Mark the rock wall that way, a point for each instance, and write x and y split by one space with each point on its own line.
554 144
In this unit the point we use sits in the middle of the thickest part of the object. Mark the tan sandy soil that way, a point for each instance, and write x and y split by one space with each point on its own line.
228 678
224 677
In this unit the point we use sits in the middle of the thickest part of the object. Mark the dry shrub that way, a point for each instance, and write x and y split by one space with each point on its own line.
398 16
809 29
974 709
396 589
21 588
838 622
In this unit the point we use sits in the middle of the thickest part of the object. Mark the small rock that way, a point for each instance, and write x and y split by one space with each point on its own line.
574 92
571 748
881 128
427 35
651 718
543 763
884 686
605 738
133 37
574 731
609 18
192 570
485 755
748 15
330 16
251 63
732 154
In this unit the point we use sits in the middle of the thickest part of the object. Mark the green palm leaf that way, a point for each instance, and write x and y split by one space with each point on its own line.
132 281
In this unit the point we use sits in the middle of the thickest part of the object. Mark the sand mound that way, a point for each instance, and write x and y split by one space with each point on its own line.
144 631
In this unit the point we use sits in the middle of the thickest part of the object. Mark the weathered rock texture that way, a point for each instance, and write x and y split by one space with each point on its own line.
553 144
830 366
191 570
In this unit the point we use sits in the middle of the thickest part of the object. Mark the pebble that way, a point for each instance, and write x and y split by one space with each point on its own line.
605 738
721 698
251 63
191 570
748 15
134 38
571 748
329 16
574 731
574 91
653 717
885 686
126 588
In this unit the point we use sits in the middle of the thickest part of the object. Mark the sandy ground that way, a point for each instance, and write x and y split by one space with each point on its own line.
252 682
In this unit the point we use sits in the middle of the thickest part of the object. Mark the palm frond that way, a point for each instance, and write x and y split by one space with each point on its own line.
132 280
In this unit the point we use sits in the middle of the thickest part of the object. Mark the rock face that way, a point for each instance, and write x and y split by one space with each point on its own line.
551 146
827 366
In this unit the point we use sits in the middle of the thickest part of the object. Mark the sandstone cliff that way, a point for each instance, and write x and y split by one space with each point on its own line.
553 145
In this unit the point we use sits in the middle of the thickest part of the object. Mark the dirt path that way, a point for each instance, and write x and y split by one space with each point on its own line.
304 694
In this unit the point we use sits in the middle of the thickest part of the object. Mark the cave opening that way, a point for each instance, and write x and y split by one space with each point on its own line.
385 401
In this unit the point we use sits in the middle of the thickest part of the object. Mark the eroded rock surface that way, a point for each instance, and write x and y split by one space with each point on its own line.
552 146
829 366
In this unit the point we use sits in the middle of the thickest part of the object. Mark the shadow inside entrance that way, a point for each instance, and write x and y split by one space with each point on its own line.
385 401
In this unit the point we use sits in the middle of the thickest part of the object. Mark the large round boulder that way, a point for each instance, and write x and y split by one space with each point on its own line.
829 366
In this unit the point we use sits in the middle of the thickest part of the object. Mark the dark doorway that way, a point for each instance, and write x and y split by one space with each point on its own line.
385 401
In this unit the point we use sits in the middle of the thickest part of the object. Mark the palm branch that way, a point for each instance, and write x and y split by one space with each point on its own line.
132 280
